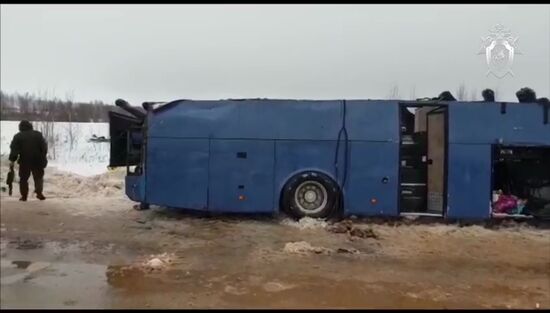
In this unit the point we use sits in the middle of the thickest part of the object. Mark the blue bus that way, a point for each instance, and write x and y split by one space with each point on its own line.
322 158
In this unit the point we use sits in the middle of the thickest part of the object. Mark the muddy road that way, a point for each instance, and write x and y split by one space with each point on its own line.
98 252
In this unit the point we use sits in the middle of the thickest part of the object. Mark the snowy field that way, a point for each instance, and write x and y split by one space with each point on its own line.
77 155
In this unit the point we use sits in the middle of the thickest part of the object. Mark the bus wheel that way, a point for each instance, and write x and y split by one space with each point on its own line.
311 194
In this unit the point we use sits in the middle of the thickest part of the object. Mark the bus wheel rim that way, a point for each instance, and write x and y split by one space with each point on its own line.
311 197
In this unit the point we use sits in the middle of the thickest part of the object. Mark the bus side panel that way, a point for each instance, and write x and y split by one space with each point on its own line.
372 120
250 119
286 120
469 181
241 176
292 157
373 174
488 123
177 172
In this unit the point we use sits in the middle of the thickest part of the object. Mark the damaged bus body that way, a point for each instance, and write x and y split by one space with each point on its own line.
455 160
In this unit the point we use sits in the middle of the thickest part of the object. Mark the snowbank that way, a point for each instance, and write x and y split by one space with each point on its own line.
62 184
71 151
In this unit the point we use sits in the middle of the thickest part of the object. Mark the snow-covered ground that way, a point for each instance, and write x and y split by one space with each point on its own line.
79 156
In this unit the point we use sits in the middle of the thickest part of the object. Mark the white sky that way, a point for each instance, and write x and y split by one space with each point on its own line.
167 52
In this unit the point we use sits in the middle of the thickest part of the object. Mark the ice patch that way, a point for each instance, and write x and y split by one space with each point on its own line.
155 263
37 266
305 223
276 286
152 264
158 262
304 247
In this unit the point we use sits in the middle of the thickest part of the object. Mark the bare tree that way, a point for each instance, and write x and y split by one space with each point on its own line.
7 105
47 126
25 104
413 93
71 128
473 95
394 92
461 93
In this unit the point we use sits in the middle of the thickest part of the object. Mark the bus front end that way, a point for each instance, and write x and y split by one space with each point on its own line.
127 132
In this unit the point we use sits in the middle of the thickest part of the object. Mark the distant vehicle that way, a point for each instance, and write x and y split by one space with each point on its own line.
98 139
341 157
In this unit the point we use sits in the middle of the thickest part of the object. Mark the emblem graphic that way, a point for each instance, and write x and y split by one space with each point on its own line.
499 48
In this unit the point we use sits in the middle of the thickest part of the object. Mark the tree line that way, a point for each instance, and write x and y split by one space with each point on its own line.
27 106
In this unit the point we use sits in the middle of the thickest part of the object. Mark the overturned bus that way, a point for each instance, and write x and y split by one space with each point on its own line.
343 157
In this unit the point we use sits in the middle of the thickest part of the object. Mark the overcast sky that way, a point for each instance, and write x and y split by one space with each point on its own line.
167 52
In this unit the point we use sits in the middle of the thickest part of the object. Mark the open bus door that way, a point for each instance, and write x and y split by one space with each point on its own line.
423 159
436 128
126 140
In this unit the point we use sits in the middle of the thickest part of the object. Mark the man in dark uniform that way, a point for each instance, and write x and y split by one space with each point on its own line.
526 94
488 95
30 148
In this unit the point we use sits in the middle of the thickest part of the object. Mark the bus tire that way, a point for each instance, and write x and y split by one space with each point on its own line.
311 194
